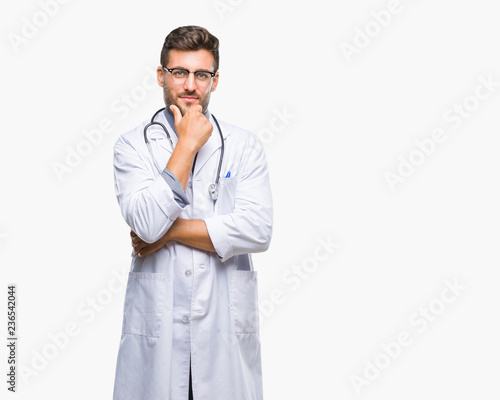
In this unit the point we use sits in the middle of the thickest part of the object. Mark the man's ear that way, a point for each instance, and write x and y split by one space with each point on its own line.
159 75
216 82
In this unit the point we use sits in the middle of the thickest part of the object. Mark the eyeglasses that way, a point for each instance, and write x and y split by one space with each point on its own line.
180 75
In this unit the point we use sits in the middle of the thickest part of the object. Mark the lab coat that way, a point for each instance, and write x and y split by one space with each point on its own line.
183 303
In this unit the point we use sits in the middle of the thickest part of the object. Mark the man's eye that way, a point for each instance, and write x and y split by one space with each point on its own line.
179 72
202 75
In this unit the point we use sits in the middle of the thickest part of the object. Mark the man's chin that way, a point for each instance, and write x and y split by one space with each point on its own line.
186 105
184 109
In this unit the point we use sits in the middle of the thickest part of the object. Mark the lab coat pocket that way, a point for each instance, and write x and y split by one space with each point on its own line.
145 300
243 301
226 198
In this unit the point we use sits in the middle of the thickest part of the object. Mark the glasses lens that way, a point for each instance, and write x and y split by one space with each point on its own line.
202 77
180 74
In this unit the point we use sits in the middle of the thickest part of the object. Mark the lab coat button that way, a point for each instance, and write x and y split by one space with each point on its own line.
188 272
185 319
190 185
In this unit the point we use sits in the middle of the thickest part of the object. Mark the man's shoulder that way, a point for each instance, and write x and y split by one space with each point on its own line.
234 132
132 135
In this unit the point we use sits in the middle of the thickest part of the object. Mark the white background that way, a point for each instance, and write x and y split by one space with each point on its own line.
353 122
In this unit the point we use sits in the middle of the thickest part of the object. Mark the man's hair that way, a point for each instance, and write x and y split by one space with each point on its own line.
190 38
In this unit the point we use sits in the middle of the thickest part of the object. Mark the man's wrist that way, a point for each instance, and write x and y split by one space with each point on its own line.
171 233
186 147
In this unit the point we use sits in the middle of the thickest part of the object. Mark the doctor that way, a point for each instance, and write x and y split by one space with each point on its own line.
190 321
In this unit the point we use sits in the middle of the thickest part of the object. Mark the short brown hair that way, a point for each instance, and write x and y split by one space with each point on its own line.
190 38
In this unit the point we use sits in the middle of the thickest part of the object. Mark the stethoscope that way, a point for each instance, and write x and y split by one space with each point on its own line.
213 188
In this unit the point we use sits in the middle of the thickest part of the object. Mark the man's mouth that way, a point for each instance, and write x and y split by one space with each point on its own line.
189 98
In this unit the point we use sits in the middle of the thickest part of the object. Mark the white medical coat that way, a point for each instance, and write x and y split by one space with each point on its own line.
183 303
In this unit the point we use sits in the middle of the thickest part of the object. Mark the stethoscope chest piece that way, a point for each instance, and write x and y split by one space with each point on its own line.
214 191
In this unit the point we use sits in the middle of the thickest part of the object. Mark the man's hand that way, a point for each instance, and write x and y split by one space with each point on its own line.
194 129
142 249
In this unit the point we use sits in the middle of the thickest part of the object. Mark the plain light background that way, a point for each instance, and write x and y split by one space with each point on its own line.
348 124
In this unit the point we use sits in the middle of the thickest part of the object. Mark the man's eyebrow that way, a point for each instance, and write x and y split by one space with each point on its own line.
187 69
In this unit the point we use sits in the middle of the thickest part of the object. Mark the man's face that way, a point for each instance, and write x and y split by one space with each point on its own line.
188 93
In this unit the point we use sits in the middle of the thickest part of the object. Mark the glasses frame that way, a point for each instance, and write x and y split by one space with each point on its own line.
212 74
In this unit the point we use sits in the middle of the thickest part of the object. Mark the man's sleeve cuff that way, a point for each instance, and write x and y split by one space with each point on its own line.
164 198
174 183
218 235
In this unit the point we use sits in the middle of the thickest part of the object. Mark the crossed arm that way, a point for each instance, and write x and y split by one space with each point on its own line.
191 232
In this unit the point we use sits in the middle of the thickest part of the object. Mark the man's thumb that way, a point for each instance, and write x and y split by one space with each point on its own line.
177 113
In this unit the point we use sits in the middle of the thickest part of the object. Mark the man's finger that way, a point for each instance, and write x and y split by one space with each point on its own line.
139 246
177 113
144 250
148 249
197 108
136 240
133 234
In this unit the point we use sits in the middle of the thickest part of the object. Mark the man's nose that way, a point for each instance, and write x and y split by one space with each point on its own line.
190 84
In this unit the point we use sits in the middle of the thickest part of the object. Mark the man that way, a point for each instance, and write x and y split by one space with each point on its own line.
190 324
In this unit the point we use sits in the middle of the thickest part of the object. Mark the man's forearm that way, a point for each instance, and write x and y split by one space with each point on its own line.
191 232
180 163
